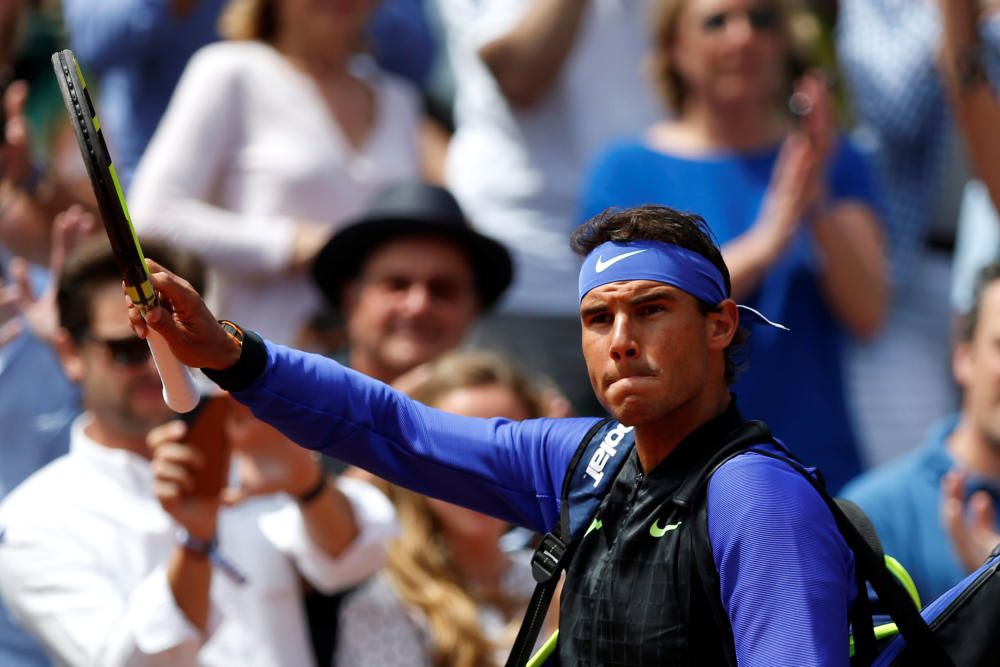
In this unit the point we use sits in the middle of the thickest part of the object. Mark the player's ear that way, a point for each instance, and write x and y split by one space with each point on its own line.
69 355
721 325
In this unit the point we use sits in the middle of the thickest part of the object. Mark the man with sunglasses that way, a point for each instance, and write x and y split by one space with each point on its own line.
110 557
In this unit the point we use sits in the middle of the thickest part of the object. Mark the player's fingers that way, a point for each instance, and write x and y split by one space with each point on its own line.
181 454
135 318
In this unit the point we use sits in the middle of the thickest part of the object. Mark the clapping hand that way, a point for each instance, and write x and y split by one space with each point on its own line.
19 306
971 523
267 462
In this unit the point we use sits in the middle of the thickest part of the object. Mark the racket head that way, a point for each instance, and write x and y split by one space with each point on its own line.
103 179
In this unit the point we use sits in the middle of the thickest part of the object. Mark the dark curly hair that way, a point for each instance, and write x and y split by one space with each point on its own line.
664 224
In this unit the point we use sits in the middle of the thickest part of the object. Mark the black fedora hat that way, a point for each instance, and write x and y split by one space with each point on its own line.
413 209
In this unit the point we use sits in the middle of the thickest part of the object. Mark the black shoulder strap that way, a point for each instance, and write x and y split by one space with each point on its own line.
870 566
553 554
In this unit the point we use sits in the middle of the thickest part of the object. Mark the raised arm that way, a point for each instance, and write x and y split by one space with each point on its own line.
174 190
973 99
527 60
511 470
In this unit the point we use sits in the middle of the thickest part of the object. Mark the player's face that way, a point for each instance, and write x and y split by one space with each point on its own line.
413 301
326 20
647 349
977 368
119 381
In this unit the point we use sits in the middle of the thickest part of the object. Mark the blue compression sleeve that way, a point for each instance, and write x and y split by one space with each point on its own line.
786 573
511 470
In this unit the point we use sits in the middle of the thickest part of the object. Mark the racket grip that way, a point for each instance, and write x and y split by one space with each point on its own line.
179 389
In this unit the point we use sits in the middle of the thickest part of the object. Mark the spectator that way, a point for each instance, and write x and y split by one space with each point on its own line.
449 595
139 48
409 277
272 141
934 508
540 86
90 562
791 202
888 52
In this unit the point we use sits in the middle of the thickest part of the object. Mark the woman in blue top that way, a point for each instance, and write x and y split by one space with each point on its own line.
790 201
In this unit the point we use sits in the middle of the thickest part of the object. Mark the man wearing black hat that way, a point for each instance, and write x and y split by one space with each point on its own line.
409 278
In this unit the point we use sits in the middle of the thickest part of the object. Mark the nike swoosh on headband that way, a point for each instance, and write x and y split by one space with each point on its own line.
601 265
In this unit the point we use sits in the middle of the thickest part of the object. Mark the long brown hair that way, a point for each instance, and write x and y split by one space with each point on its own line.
419 561
249 20
794 23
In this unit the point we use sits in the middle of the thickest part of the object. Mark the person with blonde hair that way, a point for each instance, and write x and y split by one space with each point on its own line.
272 141
449 595
753 147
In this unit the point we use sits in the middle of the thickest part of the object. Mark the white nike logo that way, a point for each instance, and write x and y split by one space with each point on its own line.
601 264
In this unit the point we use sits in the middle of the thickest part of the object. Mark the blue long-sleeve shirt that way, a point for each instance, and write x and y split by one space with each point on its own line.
786 573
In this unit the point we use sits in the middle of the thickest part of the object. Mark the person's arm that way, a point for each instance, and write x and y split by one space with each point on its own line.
66 591
189 569
786 573
106 33
527 60
337 539
973 99
172 192
511 470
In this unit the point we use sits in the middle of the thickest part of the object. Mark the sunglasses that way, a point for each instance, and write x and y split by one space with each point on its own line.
130 351
761 19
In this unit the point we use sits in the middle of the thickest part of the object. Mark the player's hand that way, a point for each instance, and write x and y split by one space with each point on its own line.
175 465
970 523
185 322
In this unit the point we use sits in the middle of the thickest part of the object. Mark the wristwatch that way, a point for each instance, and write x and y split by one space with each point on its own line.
233 331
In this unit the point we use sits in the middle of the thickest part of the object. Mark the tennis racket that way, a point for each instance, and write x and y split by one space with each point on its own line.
179 390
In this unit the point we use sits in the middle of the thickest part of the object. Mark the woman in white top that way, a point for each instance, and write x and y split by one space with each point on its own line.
272 141
449 595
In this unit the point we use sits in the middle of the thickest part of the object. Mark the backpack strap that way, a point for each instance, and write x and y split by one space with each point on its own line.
857 531
591 472
871 566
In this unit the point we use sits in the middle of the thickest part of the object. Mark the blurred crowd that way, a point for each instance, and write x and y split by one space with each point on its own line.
393 183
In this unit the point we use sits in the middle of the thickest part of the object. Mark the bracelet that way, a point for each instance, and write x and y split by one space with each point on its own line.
971 68
209 549
315 490
200 547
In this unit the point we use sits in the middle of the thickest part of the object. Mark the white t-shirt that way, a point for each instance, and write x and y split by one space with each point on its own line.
246 147
83 567
516 171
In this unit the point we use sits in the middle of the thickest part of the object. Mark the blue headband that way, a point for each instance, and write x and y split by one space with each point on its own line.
663 263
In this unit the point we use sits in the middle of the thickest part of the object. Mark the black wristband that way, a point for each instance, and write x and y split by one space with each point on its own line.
314 492
246 370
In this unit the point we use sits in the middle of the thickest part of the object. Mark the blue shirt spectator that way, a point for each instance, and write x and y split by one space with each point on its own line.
903 500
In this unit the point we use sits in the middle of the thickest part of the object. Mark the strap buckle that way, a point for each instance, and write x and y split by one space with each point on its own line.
547 561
